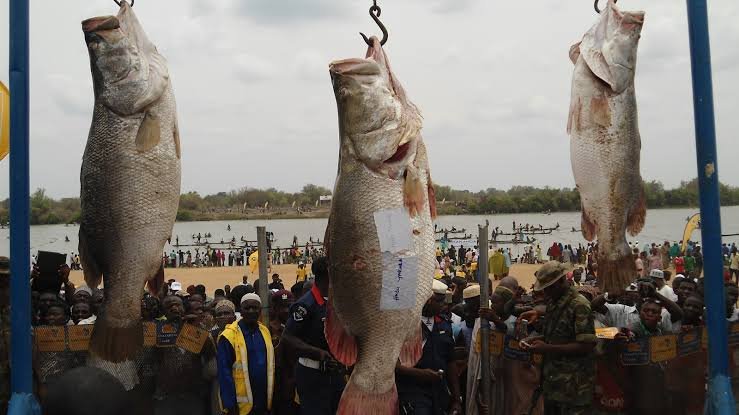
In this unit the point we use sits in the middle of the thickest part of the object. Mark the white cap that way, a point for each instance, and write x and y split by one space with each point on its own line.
251 296
657 273
471 291
176 286
439 287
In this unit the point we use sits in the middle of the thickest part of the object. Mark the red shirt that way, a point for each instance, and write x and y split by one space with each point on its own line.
679 265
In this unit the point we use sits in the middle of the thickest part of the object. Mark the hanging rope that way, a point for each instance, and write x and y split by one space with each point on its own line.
375 11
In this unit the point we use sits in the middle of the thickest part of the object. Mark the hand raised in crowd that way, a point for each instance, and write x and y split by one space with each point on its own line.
64 273
624 335
531 316
647 289
490 315
428 375
535 345
35 272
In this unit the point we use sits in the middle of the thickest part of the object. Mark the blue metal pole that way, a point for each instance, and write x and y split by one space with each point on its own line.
719 399
22 400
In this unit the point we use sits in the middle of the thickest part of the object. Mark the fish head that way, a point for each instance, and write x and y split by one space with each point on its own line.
379 127
610 47
128 72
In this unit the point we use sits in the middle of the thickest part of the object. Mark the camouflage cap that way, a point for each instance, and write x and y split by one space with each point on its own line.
549 273
4 266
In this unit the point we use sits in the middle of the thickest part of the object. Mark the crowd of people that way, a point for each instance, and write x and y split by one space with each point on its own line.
285 366
236 257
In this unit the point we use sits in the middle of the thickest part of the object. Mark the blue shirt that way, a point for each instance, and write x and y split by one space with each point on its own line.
256 352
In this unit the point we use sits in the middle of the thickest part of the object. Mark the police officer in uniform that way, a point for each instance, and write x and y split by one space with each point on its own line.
432 386
319 378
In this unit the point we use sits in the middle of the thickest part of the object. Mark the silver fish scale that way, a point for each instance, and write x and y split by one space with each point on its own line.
356 293
129 203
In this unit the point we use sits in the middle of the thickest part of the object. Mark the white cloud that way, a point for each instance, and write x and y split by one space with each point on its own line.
492 79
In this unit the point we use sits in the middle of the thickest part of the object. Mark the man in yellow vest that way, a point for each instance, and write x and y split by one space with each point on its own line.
246 362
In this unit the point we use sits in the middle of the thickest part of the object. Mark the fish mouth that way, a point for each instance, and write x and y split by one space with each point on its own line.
100 23
355 67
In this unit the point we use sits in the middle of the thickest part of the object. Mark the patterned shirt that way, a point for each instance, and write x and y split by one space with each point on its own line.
569 379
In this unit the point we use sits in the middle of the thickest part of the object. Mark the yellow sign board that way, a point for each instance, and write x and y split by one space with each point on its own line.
50 338
495 342
79 337
150 334
606 332
192 338
662 348
4 121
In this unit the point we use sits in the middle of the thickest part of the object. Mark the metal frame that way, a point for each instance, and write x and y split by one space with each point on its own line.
22 400
719 398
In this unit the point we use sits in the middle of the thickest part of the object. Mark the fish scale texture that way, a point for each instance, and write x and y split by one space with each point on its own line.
129 204
356 272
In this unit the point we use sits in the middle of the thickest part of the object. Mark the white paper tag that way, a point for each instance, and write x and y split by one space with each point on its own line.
394 230
399 282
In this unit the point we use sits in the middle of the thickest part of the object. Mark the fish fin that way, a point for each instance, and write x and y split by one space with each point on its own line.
149 133
637 215
156 282
341 344
176 134
615 274
587 226
116 344
575 52
413 192
355 401
573 120
432 197
93 273
412 349
599 50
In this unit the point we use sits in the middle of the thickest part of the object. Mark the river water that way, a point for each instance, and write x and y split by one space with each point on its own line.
661 225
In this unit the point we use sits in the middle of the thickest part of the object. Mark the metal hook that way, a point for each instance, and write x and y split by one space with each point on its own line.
375 13
118 2
595 5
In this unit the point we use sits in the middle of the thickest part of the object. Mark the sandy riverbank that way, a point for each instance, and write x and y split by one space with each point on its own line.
217 277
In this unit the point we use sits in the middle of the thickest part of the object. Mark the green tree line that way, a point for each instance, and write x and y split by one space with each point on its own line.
250 202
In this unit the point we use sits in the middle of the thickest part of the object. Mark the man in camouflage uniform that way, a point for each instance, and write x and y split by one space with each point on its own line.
568 371
4 333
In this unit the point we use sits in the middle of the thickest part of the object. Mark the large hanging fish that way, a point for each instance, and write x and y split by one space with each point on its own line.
380 237
130 182
605 144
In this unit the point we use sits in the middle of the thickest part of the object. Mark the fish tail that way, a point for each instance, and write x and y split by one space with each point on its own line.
116 344
412 349
615 274
637 215
355 401
341 344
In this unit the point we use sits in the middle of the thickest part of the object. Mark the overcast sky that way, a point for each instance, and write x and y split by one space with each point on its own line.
492 78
